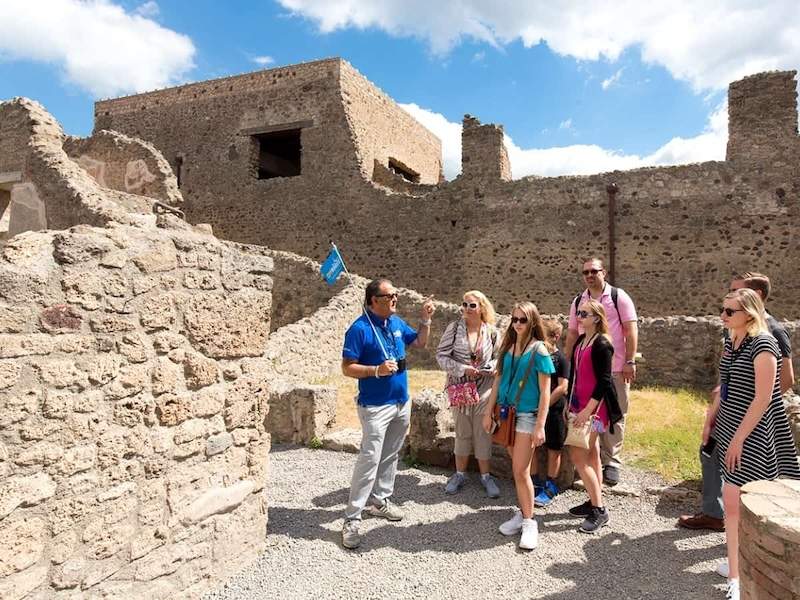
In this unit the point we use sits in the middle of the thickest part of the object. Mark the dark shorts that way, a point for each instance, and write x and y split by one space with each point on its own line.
555 429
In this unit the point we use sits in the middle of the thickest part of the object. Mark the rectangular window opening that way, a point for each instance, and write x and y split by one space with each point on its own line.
403 171
279 153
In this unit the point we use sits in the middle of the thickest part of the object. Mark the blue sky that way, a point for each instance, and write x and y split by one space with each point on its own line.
580 88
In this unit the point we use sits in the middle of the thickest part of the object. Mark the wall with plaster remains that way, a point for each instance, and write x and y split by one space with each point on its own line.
680 231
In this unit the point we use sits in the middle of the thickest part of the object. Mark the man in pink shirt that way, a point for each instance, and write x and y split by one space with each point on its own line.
621 315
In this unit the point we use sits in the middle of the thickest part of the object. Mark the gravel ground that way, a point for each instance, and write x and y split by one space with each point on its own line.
449 546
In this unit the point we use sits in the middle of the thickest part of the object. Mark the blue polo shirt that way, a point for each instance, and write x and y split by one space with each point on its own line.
361 346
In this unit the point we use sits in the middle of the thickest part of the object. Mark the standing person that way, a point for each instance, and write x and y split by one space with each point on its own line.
751 428
375 353
624 332
555 429
523 381
711 515
592 396
466 351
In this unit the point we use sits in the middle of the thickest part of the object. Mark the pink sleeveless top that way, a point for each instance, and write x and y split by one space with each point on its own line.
584 385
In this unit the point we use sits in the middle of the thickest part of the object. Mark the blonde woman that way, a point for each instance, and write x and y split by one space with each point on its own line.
592 396
466 351
523 380
751 429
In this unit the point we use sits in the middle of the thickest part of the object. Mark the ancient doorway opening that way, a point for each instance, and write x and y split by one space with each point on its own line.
279 153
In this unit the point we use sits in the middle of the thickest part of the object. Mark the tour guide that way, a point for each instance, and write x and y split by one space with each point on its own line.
375 354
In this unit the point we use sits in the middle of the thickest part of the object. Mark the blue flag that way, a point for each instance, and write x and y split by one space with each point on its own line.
332 266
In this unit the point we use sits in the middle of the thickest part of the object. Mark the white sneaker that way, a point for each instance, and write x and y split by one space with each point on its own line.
733 590
530 535
723 570
514 525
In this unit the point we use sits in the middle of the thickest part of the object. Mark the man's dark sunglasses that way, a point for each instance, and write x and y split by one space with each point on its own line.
469 304
522 320
393 296
730 311
592 271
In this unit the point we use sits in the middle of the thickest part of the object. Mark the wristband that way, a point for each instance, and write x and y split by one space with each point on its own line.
630 362
425 323
376 371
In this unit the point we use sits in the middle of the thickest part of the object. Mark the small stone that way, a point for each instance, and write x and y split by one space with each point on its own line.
218 443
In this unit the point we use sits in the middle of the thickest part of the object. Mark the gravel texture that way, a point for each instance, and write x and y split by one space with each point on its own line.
449 546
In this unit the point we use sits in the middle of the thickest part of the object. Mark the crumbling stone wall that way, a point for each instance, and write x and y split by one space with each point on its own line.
126 164
680 231
483 153
132 444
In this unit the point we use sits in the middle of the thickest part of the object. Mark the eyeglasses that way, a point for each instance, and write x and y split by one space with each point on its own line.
522 320
582 314
591 271
469 304
730 311
393 296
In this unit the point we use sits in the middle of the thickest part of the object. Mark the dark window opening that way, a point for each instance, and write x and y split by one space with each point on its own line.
279 153
403 171
178 169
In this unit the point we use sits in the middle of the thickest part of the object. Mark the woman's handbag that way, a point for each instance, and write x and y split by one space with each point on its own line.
505 428
578 436
462 394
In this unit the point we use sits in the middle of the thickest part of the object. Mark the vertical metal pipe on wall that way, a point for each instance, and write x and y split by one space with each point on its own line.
611 190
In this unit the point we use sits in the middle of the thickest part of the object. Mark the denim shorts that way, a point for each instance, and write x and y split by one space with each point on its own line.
526 421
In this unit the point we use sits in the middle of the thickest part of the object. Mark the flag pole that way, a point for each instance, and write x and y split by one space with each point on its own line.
363 306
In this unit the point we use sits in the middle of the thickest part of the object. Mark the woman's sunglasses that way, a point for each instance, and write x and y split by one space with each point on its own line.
469 304
730 311
522 320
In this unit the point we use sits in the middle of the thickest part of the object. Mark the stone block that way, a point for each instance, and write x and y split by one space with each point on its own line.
57 404
116 285
23 544
217 443
190 430
161 256
187 449
24 491
63 546
343 440
77 459
199 371
15 346
62 374
172 409
157 313
20 585
104 540
216 500
131 380
40 453
133 347
208 402
9 374
111 324
69 574
74 247
84 289
164 341
147 540
231 326
167 377
299 414
60 318
198 280
102 369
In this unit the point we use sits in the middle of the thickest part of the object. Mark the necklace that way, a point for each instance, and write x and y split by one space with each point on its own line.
473 352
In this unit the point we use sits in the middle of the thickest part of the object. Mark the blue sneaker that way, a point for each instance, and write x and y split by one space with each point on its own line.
538 485
545 496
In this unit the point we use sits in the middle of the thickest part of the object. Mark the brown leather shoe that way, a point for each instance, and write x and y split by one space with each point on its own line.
701 521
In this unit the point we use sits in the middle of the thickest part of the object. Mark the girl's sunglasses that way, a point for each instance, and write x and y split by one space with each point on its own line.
469 304
522 320
582 314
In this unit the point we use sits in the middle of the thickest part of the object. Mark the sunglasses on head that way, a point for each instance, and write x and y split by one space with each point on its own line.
730 311
591 271
469 304
582 314
522 320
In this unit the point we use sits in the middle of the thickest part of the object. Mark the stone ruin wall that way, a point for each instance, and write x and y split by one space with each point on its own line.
680 231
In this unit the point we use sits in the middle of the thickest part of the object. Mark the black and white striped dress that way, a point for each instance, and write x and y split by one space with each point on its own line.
769 451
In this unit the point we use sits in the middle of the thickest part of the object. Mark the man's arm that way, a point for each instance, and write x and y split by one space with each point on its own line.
631 331
572 335
787 374
351 368
424 330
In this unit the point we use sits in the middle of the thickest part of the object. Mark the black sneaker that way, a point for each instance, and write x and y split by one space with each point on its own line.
597 518
610 475
582 510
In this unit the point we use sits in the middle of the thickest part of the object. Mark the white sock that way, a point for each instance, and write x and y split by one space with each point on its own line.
485 476
462 473
531 520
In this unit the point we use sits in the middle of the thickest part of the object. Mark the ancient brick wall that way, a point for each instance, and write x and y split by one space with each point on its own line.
132 444
680 231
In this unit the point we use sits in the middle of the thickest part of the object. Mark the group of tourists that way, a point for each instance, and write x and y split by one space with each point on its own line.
516 388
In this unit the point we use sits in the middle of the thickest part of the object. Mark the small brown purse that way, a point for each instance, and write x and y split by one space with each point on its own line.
505 430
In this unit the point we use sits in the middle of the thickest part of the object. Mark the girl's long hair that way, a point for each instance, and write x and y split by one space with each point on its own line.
534 330
601 325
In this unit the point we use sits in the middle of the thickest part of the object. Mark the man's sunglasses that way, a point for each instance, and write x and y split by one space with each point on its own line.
582 314
592 271
393 296
522 320
469 304
730 311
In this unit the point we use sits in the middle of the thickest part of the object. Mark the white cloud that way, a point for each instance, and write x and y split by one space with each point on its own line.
708 44
149 9
607 83
96 44
581 159
263 60
565 124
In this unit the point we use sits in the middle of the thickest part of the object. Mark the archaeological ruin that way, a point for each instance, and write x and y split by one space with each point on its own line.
163 321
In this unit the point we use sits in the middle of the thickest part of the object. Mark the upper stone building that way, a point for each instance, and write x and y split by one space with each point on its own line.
295 156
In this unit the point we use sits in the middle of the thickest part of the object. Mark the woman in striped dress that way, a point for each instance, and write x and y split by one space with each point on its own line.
752 430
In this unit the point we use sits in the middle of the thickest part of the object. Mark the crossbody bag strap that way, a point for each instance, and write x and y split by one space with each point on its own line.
534 350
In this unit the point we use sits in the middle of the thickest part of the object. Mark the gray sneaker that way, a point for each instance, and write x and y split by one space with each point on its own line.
350 536
386 510
490 485
455 483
